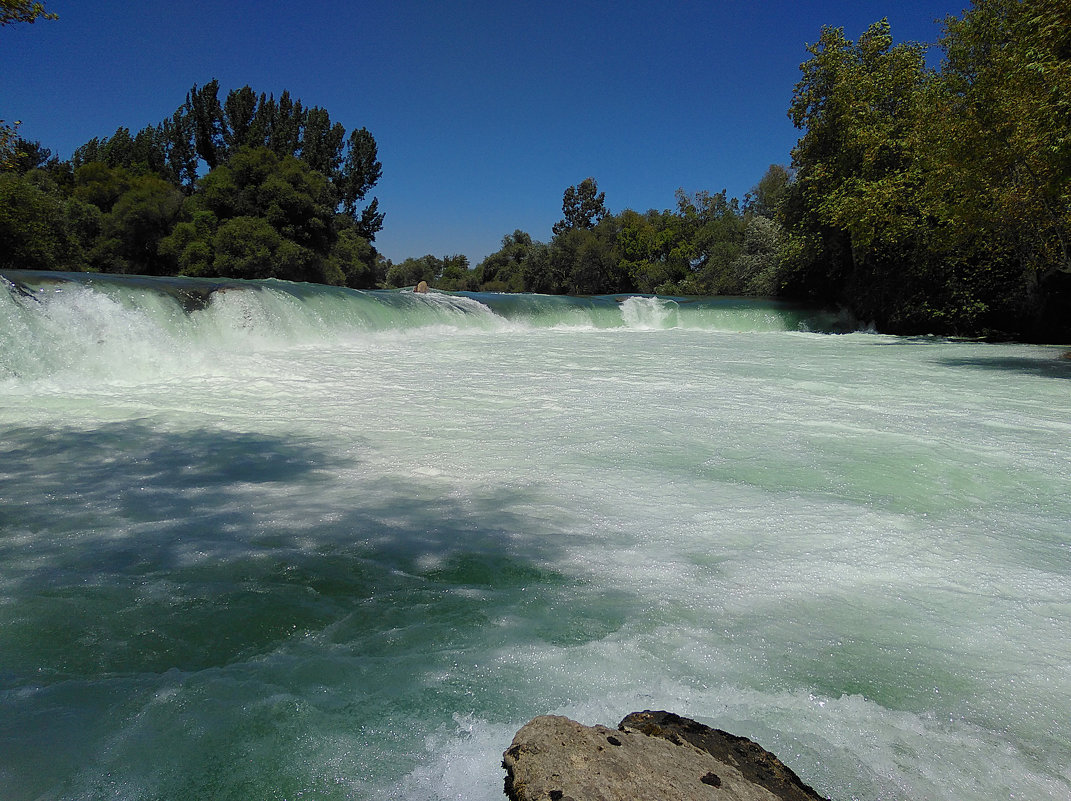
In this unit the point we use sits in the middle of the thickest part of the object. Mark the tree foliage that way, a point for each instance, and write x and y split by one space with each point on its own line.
12 11
205 132
583 206
695 249
243 186
36 231
923 198
938 200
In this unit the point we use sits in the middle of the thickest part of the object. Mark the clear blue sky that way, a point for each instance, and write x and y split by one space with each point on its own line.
484 111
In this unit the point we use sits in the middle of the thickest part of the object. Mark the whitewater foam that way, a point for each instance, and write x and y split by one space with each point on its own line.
345 544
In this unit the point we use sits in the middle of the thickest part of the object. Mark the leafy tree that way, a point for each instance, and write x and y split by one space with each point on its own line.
359 173
711 235
766 197
277 179
596 267
562 257
12 11
188 248
583 206
206 115
8 137
938 200
538 273
256 183
756 267
283 194
239 113
857 103
322 142
180 155
35 230
999 121
142 216
503 270
101 185
144 152
285 135
28 155
455 273
637 239
414 270
206 132
353 261
247 247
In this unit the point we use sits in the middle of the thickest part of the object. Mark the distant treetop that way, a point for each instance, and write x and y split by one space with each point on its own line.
12 11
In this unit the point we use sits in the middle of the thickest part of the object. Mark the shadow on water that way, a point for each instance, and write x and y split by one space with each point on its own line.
130 550
1052 367
213 607
154 583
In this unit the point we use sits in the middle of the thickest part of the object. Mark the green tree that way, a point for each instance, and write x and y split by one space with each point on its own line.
596 267
206 115
455 273
206 132
539 273
710 236
414 270
248 247
939 200
239 113
256 182
766 196
9 135
188 248
353 261
503 270
136 202
35 230
848 210
583 206
12 11
97 183
658 249
142 216
360 171
997 142
284 194
176 134
141 153
757 267
322 142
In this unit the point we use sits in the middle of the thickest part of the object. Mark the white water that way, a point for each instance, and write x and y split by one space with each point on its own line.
255 553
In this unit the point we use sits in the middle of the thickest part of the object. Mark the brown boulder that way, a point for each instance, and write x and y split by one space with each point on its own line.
651 755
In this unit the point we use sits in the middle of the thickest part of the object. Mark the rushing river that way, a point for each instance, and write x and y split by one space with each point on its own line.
274 541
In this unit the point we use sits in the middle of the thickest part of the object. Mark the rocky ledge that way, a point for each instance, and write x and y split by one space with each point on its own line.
654 756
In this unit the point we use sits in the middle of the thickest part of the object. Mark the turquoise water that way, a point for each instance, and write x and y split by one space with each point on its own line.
280 541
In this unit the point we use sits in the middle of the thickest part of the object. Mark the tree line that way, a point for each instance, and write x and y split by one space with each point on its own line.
937 200
922 199
709 244
243 186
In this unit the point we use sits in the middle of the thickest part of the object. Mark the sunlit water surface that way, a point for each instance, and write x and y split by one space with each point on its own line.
263 546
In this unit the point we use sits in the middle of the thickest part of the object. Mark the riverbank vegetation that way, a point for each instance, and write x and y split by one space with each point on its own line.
247 186
708 245
924 199
937 200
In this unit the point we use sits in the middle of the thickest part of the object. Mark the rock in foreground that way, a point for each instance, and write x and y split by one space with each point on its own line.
654 756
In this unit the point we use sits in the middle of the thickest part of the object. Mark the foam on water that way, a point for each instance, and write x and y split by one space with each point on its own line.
649 313
271 545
